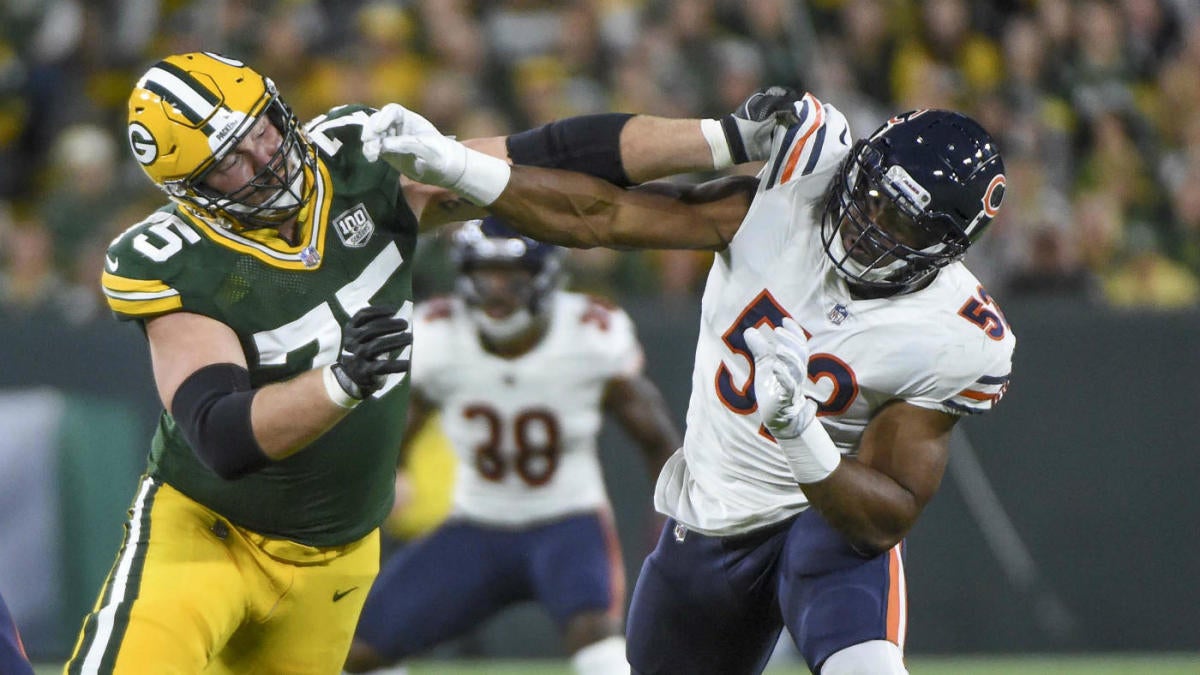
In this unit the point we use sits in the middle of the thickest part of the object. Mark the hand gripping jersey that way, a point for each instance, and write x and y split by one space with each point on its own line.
524 428
945 347
287 305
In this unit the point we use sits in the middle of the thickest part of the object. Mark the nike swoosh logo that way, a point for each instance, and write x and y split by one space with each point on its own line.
338 595
111 262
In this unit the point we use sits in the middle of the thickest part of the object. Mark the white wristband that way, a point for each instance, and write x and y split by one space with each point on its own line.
334 390
812 456
483 179
717 143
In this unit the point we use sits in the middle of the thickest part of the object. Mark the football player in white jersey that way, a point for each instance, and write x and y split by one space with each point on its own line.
841 340
523 374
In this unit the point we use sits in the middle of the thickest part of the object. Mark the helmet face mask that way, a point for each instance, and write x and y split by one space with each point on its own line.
911 199
505 278
190 111
277 191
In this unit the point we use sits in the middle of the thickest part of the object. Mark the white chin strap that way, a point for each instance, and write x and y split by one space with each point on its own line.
503 329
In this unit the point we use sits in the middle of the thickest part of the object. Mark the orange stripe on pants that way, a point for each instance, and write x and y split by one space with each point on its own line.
897 603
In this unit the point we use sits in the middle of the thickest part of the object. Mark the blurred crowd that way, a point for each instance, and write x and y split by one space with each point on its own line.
1095 103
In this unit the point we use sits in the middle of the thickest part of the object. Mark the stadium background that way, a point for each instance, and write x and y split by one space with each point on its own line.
1064 524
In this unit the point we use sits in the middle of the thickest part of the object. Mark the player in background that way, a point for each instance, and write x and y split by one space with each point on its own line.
841 340
523 374
13 660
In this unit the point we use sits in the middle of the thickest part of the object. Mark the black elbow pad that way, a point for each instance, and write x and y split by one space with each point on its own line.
212 408
588 144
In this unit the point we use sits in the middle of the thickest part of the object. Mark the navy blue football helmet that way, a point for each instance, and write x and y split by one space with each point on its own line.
492 242
911 199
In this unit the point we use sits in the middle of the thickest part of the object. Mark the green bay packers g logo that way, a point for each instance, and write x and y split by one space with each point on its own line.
141 141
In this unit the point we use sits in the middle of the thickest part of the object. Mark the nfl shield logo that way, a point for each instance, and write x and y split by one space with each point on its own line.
354 227
310 256
838 314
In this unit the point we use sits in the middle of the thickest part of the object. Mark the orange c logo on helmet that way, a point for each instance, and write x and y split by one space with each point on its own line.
994 195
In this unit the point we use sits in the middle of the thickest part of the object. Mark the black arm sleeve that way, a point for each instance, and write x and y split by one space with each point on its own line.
212 408
588 144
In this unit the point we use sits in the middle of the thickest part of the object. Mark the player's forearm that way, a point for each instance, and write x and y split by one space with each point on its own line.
619 148
287 416
654 147
578 211
873 511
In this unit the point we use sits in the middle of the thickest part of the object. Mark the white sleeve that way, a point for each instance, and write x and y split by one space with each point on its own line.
809 151
969 379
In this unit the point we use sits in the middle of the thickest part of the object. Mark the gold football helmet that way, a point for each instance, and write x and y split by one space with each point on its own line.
189 110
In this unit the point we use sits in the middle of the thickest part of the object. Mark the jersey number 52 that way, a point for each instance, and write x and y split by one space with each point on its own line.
739 397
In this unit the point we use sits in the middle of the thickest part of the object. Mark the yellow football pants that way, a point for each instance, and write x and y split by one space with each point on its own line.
191 593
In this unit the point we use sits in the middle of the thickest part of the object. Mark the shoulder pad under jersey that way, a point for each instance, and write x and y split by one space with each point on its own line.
814 145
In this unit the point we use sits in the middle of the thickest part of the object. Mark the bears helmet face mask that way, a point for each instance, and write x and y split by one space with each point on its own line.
523 298
188 111
911 199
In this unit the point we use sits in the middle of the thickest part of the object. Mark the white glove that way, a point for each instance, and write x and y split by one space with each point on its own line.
392 119
780 371
440 160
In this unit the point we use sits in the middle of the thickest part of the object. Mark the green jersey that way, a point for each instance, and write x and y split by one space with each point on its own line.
287 303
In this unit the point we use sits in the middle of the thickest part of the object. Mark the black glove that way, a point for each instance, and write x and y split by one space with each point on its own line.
748 129
369 339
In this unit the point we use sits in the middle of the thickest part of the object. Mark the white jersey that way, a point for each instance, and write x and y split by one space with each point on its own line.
525 428
944 347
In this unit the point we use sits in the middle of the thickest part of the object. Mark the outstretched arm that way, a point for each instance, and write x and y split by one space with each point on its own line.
639 149
645 147
619 148
630 149
571 209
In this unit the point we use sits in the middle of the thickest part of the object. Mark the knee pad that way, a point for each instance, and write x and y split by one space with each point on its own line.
877 657
606 657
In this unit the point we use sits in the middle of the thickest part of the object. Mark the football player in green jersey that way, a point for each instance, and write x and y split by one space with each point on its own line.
275 290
